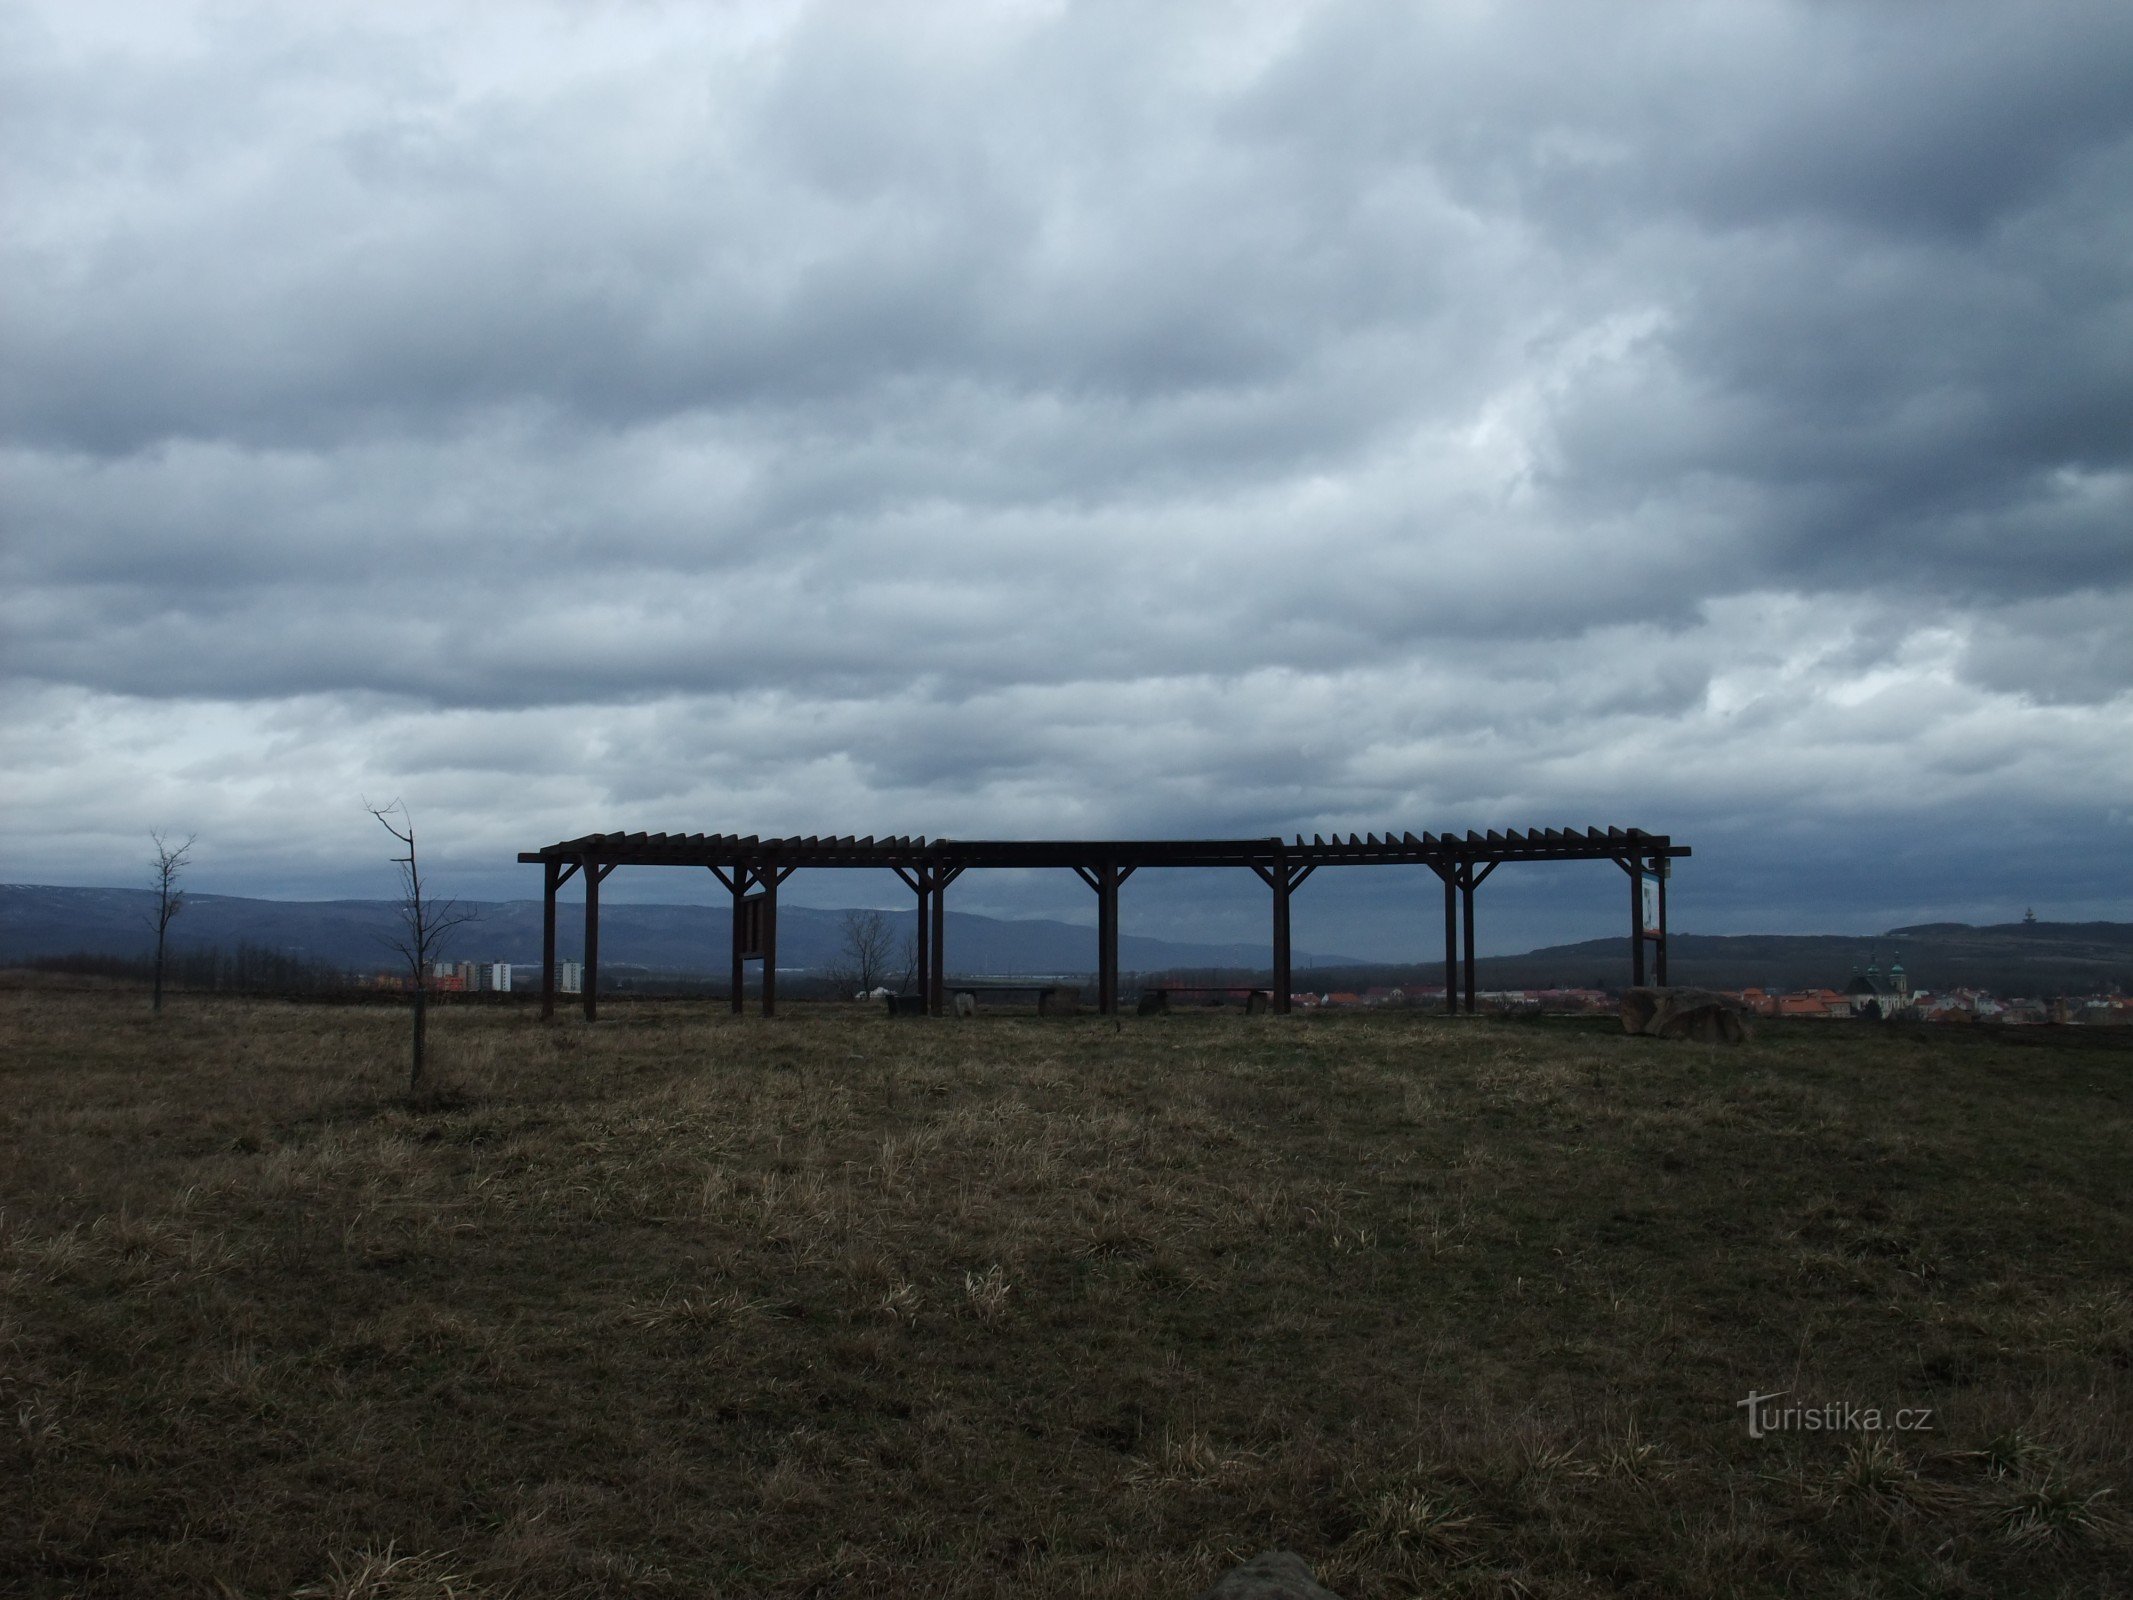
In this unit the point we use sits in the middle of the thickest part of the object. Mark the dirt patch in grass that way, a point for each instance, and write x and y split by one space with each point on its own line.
687 1305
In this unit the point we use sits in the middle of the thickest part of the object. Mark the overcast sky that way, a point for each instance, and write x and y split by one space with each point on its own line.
1075 419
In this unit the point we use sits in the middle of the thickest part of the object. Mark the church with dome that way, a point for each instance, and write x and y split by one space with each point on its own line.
1873 993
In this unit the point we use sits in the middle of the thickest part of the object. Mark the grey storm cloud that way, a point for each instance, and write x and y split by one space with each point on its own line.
1065 417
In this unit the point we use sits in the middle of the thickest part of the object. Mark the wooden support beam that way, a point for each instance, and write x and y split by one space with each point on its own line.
590 984
1636 921
770 881
551 880
1107 881
1662 867
922 948
937 968
1467 882
1451 942
726 879
1282 980
738 1003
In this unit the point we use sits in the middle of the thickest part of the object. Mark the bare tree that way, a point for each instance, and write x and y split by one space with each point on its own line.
869 941
170 899
423 925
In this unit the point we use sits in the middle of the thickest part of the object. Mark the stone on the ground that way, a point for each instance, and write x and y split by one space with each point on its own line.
1277 1575
1683 1014
1638 1008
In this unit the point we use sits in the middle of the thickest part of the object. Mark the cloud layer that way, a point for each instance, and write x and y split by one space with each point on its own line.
1061 419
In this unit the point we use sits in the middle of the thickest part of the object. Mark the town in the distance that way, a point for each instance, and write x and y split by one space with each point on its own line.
1869 994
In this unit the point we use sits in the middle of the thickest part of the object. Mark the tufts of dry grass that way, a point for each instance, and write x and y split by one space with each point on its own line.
684 1305
387 1575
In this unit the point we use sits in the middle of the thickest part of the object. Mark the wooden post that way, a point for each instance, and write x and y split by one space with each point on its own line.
1636 921
922 971
550 871
1282 979
1663 867
937 969
1451 942
740 967
591 983
770 942
1107 939
1466 897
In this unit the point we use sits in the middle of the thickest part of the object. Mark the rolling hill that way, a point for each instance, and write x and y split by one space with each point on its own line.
39 920
2038 958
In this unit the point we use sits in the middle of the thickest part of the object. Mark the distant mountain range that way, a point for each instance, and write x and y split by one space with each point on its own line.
2039 958
37 920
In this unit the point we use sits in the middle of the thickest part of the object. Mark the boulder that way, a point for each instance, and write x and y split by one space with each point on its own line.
1683 1014
1638 1008
1277 1575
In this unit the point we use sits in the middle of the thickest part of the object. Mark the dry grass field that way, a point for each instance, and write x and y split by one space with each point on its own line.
680 1305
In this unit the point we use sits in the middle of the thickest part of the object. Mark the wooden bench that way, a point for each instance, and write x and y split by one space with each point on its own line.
1156 1001
1053 999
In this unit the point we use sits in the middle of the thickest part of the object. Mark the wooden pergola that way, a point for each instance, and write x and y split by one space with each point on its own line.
752 869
